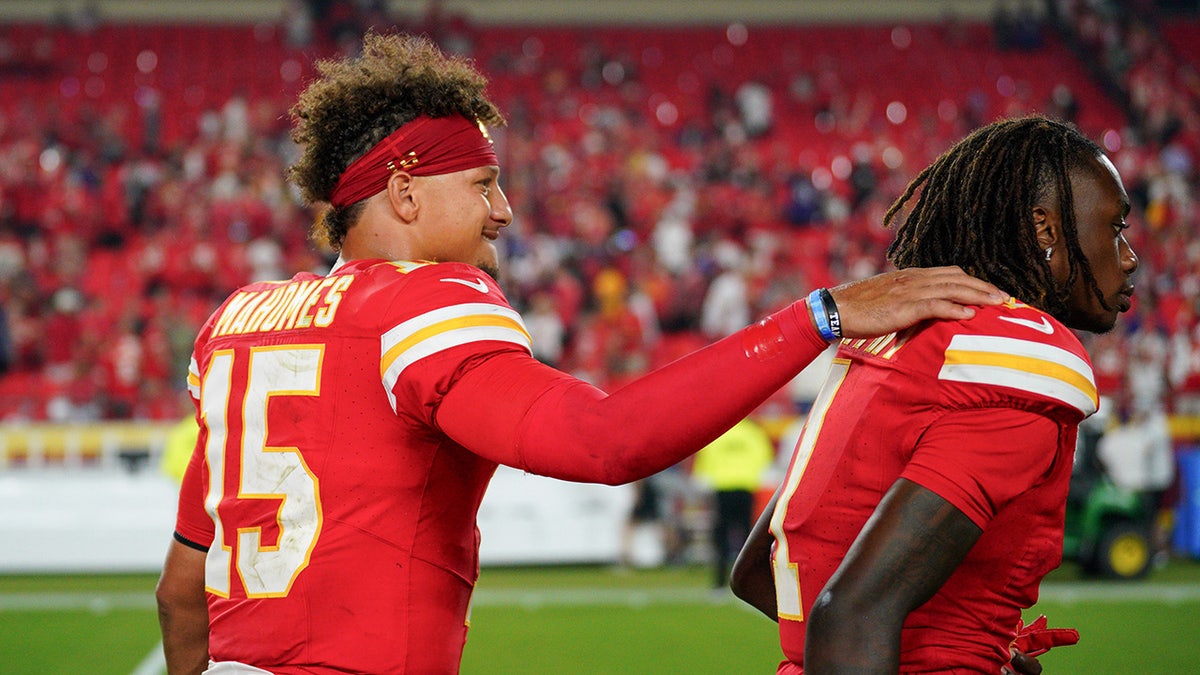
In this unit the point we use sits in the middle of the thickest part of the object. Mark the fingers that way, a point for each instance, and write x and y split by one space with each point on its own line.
945 309
1024 664
950 283
896 300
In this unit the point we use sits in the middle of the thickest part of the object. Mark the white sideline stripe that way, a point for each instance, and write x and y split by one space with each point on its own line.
154 663
1084 591
1116 591
98 603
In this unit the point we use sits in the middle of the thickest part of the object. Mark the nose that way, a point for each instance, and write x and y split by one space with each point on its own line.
1129 259
501 210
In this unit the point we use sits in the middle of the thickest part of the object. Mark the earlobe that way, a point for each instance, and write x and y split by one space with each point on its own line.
401 196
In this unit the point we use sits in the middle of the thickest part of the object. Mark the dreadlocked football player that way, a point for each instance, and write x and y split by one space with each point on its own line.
926 499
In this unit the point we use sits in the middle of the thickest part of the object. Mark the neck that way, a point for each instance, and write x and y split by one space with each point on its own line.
375 235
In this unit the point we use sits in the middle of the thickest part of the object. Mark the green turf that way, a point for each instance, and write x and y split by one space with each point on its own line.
600 620
101 642
1127 637
651 639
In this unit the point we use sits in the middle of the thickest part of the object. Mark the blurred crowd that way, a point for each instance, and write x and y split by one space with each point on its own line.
670 185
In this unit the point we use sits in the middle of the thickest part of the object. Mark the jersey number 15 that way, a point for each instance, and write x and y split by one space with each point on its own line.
263 472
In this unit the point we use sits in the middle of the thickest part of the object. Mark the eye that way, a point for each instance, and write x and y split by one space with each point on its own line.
486 189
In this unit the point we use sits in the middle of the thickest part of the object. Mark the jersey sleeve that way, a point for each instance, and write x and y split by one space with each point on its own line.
516 411
446 318
454 356
192 522
1012 382
980 459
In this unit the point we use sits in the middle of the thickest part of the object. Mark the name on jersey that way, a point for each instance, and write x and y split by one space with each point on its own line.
296 304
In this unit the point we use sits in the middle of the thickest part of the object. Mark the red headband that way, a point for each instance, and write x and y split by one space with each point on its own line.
426 146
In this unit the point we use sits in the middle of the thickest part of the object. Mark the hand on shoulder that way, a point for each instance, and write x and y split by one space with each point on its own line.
896 300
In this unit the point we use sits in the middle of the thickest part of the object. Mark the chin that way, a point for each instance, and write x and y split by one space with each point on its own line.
1097 324
492 269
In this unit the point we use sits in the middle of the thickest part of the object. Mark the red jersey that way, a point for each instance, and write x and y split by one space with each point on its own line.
340 526
351 423
982 412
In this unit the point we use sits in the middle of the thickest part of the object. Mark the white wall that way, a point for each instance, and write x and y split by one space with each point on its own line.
60 519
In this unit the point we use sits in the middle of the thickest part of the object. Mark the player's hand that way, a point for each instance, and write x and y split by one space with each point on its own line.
893 301
1021 664
1033 640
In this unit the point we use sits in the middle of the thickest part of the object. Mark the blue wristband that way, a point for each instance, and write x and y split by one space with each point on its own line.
831 313
816 305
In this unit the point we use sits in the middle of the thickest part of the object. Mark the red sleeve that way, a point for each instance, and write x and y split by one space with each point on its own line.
980 459
191 520
516 411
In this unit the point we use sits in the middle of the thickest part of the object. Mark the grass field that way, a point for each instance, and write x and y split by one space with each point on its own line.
600 620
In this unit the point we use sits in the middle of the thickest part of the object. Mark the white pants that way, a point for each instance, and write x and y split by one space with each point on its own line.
233 668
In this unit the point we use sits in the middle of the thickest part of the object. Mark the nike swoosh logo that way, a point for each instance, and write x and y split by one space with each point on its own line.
477 284
1042 327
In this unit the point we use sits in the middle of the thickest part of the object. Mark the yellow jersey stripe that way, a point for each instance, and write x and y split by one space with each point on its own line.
474 321
1024 363
1035 367
444 328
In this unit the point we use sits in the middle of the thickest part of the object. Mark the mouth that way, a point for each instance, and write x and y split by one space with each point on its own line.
491 235
1125 299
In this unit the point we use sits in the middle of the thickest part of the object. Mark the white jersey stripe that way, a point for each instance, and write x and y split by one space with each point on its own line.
193 378
1042 385
1035 367
1018 347
442 329
408 328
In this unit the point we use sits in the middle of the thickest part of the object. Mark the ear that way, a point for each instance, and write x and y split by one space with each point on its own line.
1047 226
402 196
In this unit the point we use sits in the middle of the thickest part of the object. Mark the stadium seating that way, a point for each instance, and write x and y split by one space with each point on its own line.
132 152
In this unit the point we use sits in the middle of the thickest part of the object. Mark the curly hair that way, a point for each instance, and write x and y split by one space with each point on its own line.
975 206
356 102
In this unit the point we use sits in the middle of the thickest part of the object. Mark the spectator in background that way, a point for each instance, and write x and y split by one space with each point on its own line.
546 329
1146 369
727 303
1138 455
644 539
732 466
6 341
755 108
1184 368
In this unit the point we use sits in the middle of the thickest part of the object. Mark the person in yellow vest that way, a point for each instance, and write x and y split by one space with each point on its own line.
733 467
177 450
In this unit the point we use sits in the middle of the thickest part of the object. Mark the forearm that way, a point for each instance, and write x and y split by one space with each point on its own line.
840 640
751 578
185 639
183 610
905 552
561 427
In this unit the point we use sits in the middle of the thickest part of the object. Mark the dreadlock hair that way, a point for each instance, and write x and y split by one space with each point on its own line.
975 209
358 101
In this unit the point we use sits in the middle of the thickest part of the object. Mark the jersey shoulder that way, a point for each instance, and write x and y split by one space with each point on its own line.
391 293
1020 349
429 307
1010 354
